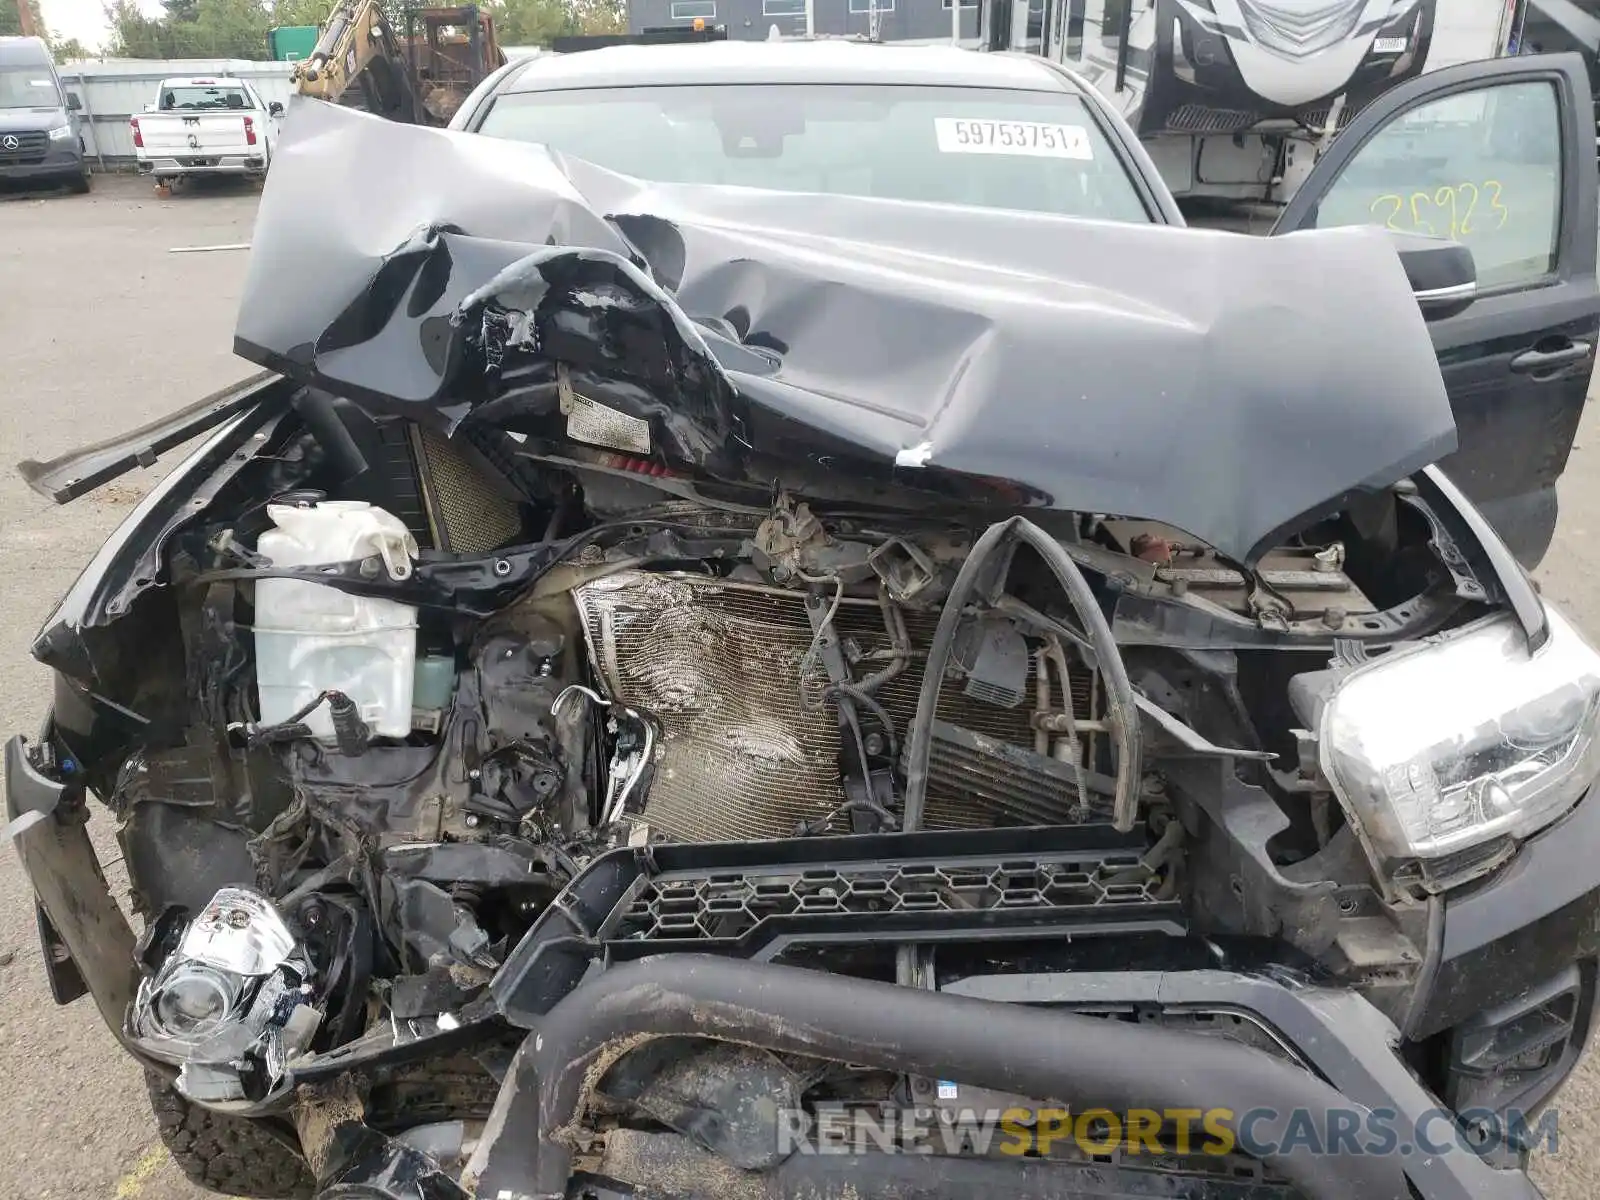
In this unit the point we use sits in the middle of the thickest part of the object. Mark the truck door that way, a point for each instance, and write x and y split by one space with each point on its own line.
1498 156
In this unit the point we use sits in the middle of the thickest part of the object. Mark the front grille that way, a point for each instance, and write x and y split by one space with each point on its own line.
718 665
30 149
857 895
1202 118
727 907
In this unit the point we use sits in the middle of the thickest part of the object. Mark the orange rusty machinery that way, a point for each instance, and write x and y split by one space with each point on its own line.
449 51
418 70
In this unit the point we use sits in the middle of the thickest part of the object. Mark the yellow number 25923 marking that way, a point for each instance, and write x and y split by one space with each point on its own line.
1448 211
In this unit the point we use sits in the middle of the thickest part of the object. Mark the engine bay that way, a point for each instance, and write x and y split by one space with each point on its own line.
448 704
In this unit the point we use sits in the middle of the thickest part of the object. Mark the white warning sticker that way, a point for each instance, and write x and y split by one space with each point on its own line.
1030 139
600 424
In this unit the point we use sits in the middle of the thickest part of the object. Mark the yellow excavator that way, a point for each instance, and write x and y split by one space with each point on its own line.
418 76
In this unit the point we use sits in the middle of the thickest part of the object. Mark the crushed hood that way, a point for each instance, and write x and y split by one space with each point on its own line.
1224 384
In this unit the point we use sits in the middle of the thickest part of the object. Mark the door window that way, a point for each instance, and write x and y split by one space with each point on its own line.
1482 167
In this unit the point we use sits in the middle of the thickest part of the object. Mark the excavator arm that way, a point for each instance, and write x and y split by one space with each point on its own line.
358 47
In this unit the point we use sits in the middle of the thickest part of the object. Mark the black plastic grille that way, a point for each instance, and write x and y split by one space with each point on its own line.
771 901
728 907
1318 118
1202 118
30 148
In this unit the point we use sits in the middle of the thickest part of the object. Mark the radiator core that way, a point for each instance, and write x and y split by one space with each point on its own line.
718 665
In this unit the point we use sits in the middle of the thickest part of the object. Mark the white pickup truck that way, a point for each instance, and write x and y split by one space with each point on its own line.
205 126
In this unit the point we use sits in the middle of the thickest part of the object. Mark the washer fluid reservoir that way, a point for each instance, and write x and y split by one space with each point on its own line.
311 638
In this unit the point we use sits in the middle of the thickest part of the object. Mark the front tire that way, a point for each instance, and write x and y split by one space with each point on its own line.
231 1155
81 184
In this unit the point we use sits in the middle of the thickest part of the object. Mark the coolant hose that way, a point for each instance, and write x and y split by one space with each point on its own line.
526 1150
1122 715
318 410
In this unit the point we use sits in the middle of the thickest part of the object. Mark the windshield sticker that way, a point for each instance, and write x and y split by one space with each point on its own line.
1030 139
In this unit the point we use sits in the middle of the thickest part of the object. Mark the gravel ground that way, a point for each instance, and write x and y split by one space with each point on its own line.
101 329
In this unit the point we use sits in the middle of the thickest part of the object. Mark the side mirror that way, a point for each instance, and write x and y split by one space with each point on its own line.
1443 276
74 102
275 109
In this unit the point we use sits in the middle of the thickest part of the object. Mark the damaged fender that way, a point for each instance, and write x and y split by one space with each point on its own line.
47 822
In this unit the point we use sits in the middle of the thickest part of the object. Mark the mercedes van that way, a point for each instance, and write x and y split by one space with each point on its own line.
39 126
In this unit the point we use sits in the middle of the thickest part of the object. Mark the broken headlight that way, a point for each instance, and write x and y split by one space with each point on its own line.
1463 741
231 1003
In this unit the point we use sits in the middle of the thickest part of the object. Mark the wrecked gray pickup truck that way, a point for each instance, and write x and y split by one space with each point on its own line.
653 672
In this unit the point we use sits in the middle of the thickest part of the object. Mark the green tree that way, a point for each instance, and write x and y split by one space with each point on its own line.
601 16
299 12
11 19
219 29
238 28
68 49
132 34
532 22
232 28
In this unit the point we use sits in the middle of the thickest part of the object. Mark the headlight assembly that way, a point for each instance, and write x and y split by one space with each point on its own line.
61 133
1462 741
231 1004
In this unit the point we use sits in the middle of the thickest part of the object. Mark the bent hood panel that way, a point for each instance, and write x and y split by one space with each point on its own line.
1221 383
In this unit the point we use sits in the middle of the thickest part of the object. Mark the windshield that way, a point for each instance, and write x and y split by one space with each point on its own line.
202 99
1036 151
28 87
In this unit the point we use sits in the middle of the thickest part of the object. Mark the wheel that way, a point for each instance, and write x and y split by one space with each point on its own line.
231 1155
81 184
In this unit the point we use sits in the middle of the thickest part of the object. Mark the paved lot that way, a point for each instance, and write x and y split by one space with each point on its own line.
101 328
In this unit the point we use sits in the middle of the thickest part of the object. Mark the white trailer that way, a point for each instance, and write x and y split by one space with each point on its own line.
1235 99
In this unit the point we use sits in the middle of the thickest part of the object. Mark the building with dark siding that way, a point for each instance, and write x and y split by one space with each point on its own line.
753 20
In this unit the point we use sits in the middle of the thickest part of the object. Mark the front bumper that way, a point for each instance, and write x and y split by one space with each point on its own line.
996 1038
1507 935
995 1031
986 1033
60 160
1511 996
229 164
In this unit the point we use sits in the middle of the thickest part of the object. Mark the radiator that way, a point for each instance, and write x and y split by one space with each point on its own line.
718 665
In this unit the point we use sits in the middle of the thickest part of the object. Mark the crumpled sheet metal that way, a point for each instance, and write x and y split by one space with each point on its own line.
1225 384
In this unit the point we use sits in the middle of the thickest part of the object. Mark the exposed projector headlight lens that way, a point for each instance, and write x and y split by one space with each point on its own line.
193 1002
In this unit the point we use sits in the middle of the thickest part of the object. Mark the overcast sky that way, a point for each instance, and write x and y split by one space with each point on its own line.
83 19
